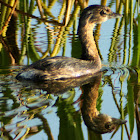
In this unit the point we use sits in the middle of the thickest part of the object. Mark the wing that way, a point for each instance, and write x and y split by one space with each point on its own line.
58 62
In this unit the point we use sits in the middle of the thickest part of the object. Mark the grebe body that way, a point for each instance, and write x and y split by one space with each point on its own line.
58 67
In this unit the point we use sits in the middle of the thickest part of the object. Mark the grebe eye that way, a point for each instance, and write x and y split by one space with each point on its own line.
102 12
107 126
108 10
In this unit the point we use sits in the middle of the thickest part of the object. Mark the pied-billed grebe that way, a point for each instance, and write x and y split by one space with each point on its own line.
63 67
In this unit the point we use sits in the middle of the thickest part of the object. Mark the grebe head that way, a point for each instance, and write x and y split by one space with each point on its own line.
97 14
103 123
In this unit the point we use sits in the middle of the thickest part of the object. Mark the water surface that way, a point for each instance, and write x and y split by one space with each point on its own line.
29 112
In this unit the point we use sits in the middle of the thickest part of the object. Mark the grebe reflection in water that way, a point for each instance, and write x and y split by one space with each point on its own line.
95 121
63 67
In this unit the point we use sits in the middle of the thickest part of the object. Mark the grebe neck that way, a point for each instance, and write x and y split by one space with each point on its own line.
89 49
